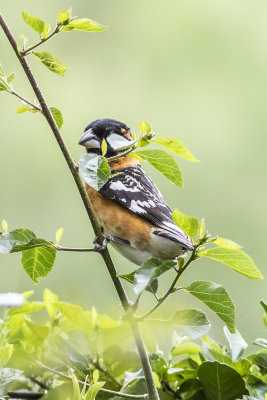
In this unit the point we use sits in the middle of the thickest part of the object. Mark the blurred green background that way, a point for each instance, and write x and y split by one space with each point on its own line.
195 70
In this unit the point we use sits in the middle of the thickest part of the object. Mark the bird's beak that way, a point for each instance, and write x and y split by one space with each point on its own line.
89 140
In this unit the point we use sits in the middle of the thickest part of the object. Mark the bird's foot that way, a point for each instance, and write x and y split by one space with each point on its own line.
103 246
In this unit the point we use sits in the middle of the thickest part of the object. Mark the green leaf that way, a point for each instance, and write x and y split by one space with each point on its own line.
164 163
63 16
193 323
5 354
236 343
49 299
235 259
38 262
3 86
264 305
16 237
96 375
261 343
216 298
51 62
118 142
35 242
132 376
7 376
94 170
39 332
36 23
242 366
260 359
93 390
188 224
176 146
104 147
201 228
75 314
10 77
27 307
220 381
146 276
2 72
186 348
144 127
58 117
76 388
83 24
226 243
23 109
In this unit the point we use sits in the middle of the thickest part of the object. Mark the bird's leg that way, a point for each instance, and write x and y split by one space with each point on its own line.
103 246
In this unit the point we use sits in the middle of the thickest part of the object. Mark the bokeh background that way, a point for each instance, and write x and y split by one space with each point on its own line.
196 70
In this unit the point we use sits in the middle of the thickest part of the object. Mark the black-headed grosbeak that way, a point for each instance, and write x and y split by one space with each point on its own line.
129 208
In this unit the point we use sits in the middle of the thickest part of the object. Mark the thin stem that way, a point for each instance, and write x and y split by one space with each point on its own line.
128 396
151 387
25 100
166 387
39 383
105 372
25 52
11 91
81 249
16 394
152 391
171 288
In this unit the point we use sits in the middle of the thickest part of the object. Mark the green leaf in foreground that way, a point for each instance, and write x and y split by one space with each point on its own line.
5 354
63 16
236 343
58 117
51 62
216 298
146 276
193 323
235 259
94 170
35 242
16 237
83 24
226 243
175 146
118 142
3 86
38 262
220 381
188 224
261 343
23 109
93 390
144 127
164 163
36 23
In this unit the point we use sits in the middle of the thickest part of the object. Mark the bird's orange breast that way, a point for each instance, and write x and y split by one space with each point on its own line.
119 221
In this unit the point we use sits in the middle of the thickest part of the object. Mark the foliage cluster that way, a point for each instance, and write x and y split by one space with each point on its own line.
75 349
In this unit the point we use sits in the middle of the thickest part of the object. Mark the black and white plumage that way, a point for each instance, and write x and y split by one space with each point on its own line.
132 188
129 207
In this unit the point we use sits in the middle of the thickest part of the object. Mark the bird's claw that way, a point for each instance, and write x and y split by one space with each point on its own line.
103 246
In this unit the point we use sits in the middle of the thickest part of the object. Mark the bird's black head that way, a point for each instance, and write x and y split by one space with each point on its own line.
109 129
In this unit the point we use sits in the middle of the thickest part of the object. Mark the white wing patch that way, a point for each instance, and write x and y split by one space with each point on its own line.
118 185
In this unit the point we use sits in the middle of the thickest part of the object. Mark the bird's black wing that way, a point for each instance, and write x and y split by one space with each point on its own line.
132 188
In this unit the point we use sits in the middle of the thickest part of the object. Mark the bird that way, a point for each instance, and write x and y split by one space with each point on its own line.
129 208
